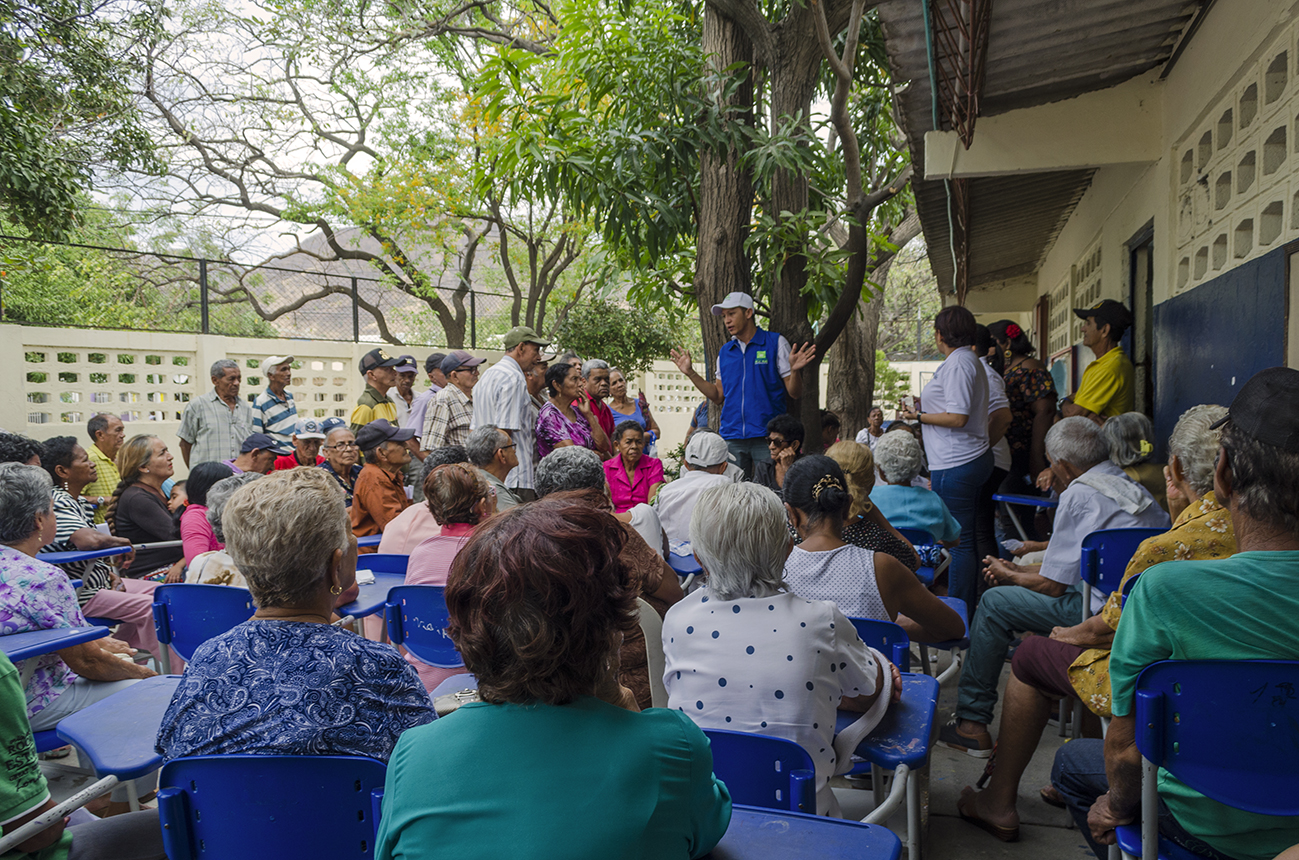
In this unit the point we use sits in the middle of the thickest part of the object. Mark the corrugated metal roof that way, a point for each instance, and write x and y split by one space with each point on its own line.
1038 52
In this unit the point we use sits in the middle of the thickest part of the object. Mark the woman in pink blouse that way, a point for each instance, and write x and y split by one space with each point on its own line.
196 533
633 477
460 498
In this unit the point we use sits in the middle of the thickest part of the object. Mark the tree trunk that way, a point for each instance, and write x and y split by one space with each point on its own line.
793 73
725 197
850 390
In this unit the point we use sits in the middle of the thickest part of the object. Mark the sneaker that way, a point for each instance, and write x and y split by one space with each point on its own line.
979 746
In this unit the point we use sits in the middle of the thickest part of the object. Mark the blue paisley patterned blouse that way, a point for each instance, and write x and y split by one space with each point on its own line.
293 688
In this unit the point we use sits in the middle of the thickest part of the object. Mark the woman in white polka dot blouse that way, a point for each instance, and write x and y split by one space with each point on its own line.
746 654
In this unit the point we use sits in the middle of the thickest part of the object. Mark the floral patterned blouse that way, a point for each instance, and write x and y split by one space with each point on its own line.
553 427
1023 387
1203 531
38 596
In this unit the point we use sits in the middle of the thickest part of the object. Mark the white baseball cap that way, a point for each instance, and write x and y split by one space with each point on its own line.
275 361
733 300
706 448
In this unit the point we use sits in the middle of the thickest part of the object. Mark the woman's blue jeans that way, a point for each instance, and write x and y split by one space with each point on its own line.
959 488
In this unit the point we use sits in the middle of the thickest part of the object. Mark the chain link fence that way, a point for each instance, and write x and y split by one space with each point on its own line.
88 286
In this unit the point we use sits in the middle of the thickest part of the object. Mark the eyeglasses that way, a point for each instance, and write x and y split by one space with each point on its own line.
506 447
777 443
343 445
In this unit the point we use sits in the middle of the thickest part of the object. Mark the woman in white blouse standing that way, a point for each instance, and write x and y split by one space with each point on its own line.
747 654
954 411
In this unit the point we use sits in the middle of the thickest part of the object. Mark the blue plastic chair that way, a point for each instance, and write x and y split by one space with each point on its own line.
1226 730
770 833
383 562
1128 586
322 807
899 745
920 538
760 770
1105 556
187 614
887 638
417 620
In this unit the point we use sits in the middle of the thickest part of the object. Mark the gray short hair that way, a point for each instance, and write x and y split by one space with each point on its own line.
24 493
898 456
1196 446
739 534
482 445
569 468
1123 435
282 531
220 366
593 364
219 493
1077 441
443 456
1264 480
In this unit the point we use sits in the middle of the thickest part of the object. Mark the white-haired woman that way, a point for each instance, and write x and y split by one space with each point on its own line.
746 653
1130 437
287 682
904 505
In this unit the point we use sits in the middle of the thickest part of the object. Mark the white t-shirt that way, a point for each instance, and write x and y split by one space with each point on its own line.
772 665
959 386
845 575
864 437
676 502
997 399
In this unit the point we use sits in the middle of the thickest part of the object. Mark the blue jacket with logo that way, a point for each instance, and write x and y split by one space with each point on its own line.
751 383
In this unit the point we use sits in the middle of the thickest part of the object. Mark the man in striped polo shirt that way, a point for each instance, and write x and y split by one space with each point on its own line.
274 412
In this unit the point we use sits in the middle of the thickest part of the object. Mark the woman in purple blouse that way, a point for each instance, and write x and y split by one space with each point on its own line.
567 419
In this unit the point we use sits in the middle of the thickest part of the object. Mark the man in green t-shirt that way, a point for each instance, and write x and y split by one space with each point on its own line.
1241 608
25 795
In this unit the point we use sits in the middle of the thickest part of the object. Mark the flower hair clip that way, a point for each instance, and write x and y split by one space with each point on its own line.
1013 331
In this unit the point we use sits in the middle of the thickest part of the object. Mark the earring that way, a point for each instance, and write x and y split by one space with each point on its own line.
336 590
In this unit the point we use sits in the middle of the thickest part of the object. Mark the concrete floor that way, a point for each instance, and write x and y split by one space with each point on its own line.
1046 833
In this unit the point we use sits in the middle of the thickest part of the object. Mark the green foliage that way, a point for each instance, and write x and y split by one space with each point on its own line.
628 339
891 384
62 285
672 462
66 104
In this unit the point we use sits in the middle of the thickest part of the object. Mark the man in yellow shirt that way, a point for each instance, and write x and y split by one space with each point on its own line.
1106 389
107 433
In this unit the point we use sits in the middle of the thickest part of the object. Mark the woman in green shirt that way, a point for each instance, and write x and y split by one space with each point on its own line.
556 761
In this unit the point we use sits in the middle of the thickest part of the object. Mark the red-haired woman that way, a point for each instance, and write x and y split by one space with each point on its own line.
538 600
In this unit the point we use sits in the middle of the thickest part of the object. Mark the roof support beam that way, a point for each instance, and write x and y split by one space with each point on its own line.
1119 125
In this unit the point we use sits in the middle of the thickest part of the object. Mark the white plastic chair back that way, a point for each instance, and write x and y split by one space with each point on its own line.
652 626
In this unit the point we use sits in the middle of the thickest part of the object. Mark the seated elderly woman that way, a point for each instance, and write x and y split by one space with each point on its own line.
538 600
103 594
866 526
217 567
38 596
862 583
138 509
1130 437
1074 661
579 469
905 505
460 498
746 653
1097 496
196 533
634 477
287 682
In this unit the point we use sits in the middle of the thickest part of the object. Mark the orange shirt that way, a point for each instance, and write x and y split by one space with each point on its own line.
376 500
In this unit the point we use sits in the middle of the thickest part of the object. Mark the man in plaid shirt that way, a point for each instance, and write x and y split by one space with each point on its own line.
452 411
